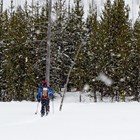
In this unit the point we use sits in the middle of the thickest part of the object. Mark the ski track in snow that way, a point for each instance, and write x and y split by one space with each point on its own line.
20 123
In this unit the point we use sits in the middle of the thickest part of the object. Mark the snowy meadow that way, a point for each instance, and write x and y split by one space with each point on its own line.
76 121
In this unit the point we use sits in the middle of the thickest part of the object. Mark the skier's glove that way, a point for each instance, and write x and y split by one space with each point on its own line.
38 100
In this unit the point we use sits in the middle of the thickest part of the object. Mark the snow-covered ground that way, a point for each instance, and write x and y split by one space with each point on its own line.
76 121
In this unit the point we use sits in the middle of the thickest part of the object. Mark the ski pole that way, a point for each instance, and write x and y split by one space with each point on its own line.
37 108
53 106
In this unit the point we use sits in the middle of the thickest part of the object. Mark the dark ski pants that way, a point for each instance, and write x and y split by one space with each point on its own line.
45 106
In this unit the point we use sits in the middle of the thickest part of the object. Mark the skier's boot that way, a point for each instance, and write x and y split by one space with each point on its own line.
42 114
47 113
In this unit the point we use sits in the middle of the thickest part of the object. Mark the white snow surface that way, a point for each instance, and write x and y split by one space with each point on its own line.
76 121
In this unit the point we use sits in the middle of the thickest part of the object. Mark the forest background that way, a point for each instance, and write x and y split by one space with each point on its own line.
110 44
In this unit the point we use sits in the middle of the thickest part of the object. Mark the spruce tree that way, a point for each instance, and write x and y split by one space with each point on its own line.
60 42
2 51
19 72
75 29
116 39
135 61
92 50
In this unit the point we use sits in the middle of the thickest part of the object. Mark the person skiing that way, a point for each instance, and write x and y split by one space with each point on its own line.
44 95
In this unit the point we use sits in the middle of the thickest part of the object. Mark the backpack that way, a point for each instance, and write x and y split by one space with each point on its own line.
44 94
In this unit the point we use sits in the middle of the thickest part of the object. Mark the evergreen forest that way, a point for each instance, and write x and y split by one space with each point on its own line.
109 44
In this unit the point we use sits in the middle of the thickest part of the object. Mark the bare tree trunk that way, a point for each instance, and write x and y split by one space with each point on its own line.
1 6
80 97
95 96
65 87
48 43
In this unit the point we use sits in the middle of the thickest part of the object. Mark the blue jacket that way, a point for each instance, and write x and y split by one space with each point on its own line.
41 89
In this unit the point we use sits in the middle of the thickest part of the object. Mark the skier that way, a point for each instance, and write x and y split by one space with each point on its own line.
44 95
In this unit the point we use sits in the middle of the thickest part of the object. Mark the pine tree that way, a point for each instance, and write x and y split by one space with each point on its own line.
4 42
8 67
19 72
75 29
116 38
122 35
134 70
2 51
92 50
59 45
41 25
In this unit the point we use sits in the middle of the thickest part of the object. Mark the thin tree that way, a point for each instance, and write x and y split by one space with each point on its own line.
48 43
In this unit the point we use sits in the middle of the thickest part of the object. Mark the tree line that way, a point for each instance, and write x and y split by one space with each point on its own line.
110 44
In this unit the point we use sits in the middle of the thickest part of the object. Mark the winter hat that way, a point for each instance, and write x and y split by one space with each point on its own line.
44 81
